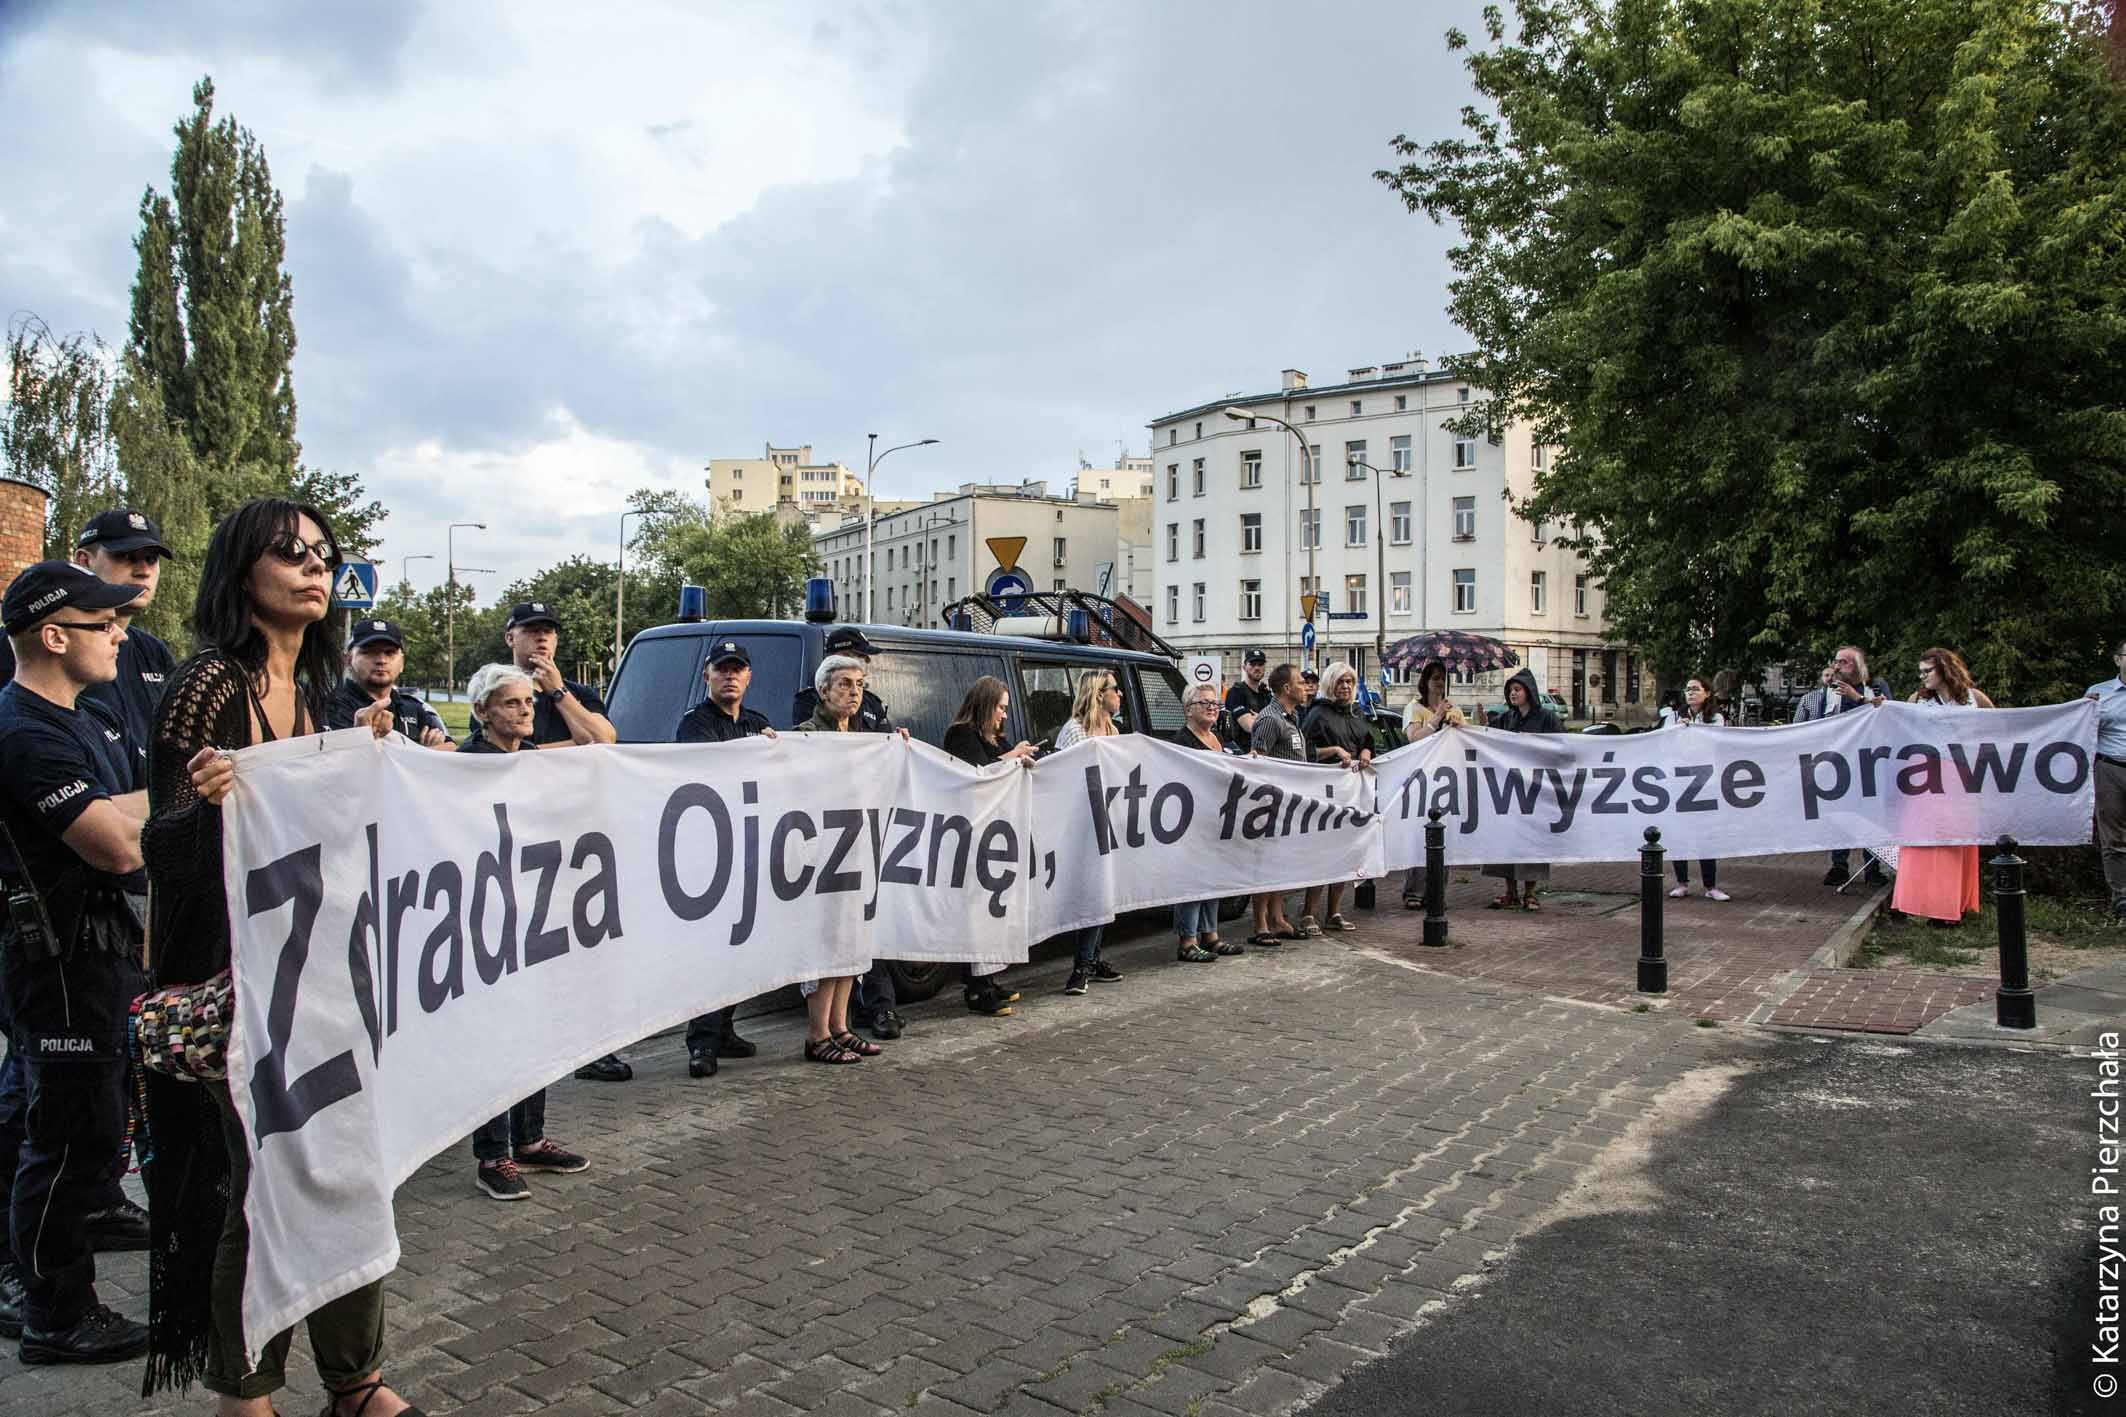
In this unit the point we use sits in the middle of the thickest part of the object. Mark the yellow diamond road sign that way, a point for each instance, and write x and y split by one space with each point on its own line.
1006 549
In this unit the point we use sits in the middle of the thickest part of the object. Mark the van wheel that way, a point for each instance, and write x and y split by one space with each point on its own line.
914 981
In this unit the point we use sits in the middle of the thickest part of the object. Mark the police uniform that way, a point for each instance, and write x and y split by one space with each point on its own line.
63 998
1245 698
548 726
710 1035
410 713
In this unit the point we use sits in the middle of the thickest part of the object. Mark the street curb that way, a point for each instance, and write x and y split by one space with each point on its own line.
1834 953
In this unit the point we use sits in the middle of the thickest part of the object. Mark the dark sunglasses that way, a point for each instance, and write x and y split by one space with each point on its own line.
292 550
105 626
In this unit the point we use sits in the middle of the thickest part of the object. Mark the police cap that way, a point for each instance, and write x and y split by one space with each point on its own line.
369 632
847 639
122 532
532 612
47 587
727 651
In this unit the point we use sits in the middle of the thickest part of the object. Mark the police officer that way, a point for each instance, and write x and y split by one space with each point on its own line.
376 655
69 951
721 717
125 548
1247 698
568 714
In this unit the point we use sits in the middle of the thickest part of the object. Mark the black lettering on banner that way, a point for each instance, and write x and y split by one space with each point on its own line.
540 943
1869 757
1133 794
749 880
1612 780
832 879
1513 789
1098 797
592 933
1184 803
401 894
1567 798
1694 798
893 872
2073 754
446 943
993 858
498 867
1924 773
365 946
278 1106
1653 793
1814 792
1987 763
1741 782
693 795
963 831
786 886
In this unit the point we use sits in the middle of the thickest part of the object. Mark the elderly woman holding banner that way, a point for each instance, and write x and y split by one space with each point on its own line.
1424 716
839 681
1196 921
1940 882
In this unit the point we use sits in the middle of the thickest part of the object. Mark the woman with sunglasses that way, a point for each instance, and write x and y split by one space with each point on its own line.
1940 883
266 661
1092 715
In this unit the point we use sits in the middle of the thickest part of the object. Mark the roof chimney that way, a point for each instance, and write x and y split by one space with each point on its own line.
1294 379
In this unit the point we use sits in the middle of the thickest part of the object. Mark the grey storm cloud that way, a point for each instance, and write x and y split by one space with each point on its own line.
1094 214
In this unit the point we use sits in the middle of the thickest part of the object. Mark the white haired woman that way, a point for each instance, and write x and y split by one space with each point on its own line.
839 681
503 700
1336 733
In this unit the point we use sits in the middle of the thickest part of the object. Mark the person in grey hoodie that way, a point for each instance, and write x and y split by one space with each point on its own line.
1524 713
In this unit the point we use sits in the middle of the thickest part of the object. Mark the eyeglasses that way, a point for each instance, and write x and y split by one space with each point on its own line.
1111 689
106 626
1203 703
292 550
1926 669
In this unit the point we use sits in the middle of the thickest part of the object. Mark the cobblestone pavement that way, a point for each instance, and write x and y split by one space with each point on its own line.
1208 1189
1878 1000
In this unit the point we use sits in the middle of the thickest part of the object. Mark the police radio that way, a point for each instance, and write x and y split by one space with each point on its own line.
34 934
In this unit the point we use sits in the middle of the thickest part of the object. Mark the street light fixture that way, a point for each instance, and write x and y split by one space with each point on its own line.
1306 475
620 585
405 576
871 461
450 604
1380 544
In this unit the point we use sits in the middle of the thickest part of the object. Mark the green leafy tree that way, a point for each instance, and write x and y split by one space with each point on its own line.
163 479
55 431
749 567
213 325
581 592
1826 307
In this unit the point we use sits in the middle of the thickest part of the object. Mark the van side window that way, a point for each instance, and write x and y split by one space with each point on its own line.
778 661
663 676
1162 699
922 688
1049 689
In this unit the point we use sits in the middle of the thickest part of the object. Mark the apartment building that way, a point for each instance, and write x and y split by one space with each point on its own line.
1404 525
784 480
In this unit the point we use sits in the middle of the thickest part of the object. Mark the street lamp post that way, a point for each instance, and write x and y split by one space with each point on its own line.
1380 545
1306 476
406 576
450 604
620 587
871 461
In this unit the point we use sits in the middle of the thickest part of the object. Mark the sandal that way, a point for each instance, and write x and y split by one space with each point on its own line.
826 1050
1229 948
851 1043
1528 903
1267 940
1413 902
1504 902
1192 953
1337 922
367 1391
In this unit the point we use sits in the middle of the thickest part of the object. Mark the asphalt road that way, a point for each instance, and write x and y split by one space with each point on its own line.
1853 1226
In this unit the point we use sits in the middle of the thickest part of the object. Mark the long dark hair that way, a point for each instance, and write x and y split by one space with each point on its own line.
979 705
1424 677
221 616
1712 704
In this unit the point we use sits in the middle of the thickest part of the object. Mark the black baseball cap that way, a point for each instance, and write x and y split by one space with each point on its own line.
850 640
121 532
724 651
1310 676
47 587
532 612
368 632
1254 656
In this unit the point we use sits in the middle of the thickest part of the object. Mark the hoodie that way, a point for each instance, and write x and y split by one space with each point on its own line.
1538 720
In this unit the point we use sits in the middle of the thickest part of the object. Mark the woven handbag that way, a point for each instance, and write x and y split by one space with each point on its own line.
182 1032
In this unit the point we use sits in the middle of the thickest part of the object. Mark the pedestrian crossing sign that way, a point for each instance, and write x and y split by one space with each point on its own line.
354 586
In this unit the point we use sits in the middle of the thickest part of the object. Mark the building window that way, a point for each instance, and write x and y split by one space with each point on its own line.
1309 528
1312 471
1541 531
1173 436
1173 481
952 587
1355 525
1251 600
1173 605
1538 587
1464 453
1399 452
1173 541
1250 531
1355 594
1398 592
1310 413
1196 538
952 546
1465 592
1060 584
1199 428
1579 596
1402 402
1354 457
1196 599
1465 519
1062 550
1631 677
1539 457
1462 393
1398 523
1356 408
889 597
1196 479
1250 470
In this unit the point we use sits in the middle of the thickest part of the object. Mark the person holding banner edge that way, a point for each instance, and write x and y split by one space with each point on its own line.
1276 735
720 717
1196 921
1699 706
1336 733
1940 882
1524 713
264 591
976 737
1851 688
1424 716
2110 772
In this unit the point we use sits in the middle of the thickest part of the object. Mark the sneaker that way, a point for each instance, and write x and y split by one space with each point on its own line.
887 1025
543 1155
1105 973
1679 893
701 1062
500 1181
1080 980
987 1000
98 1336
611 1068
1716 895
11 1300
123 1226
1309 927
1836 876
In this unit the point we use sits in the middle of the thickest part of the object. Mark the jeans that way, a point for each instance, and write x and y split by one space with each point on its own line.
1193 919
1710 870
522 1126
1089 945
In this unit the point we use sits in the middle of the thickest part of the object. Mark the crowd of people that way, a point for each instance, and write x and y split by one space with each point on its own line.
114 765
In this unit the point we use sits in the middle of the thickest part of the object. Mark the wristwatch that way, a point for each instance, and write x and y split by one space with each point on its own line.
555 696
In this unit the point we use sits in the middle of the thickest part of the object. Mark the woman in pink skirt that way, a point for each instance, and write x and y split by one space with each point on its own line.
1940 882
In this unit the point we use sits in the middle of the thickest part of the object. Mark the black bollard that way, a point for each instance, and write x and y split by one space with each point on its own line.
1435 879
1653 965
2014 1006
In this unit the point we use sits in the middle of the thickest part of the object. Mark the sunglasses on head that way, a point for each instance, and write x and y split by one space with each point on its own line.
292 550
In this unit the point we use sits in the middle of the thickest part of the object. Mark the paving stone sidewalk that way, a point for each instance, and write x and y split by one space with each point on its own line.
1208 1190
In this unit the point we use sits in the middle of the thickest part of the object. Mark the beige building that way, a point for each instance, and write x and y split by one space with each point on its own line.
933 553
784 480
1128 485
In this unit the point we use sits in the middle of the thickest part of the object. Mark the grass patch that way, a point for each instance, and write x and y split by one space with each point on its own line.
456 715
2065 934
1642 1008
1707 1022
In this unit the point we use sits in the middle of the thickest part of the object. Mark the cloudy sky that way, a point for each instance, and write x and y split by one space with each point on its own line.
546 253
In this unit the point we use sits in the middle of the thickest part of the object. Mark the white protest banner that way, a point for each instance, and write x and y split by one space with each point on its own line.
1899 774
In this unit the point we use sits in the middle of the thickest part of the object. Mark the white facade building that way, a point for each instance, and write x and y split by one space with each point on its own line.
1431 542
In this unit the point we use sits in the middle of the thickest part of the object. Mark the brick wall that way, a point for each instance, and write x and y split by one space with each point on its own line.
21 526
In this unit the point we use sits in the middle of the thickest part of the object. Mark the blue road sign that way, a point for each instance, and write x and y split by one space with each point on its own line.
1306 635
354 586
1347 614
1008 580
